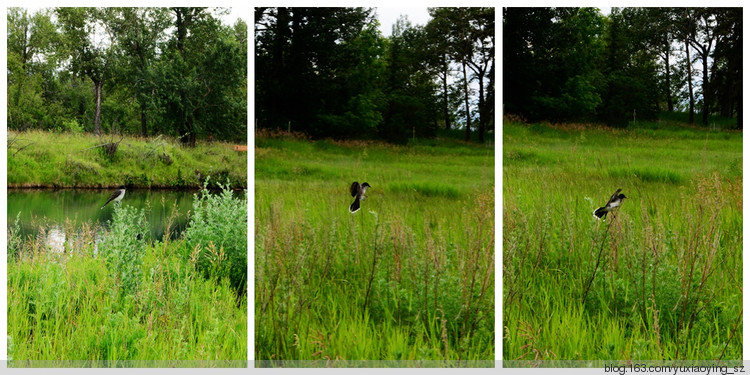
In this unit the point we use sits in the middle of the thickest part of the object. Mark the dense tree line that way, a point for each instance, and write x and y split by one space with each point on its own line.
568 64
174 71
329 72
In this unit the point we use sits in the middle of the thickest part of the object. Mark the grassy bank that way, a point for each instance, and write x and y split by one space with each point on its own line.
49 159
661 281
408 277
123 299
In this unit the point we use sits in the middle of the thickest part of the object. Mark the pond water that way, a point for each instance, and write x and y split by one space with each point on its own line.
56 210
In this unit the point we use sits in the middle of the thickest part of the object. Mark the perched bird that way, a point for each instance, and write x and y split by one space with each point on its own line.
358 192
116 196
614 202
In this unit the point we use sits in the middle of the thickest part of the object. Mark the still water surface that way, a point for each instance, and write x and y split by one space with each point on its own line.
58 209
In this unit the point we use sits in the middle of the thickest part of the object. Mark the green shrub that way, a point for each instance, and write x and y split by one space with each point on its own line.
217 231
72 126
124 246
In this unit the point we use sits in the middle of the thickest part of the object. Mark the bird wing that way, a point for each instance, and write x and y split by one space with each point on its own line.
614 196
354 189
112 197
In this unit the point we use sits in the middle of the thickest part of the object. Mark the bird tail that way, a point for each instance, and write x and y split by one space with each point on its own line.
355 206
599 212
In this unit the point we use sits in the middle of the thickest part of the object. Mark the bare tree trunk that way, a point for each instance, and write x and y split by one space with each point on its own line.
446 113
466 102
98 116
191 128
482 110
706 93
143 120
670 105
690 81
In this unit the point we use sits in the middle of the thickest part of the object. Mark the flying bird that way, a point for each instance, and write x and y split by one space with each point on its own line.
358 192
116 196
614 202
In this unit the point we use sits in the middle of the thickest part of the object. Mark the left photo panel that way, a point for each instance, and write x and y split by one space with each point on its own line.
127 178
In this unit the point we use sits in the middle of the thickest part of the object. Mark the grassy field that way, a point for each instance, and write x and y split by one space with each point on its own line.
123 299
662 280
408 277
48 159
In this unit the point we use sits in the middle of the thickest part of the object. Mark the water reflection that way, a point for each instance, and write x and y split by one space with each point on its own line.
55 212
57 241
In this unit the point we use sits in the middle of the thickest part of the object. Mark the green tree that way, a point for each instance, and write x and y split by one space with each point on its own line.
319 70
456 26
329 72
483 35
89 42
631 69
410 86
567 64
469 35
32 41
684 30
198 78
138 32
439 61
727 64
663 24
554 60
702 37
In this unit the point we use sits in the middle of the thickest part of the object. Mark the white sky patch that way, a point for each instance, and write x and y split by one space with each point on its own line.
388 16
233 15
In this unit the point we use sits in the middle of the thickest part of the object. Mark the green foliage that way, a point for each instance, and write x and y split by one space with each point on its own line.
69 160
124 246
669 274
574 64
346 80
195 103
63 76
561 50
408 277
14 237
217 236
134 302
72 126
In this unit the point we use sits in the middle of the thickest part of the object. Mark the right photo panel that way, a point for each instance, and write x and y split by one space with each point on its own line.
622 187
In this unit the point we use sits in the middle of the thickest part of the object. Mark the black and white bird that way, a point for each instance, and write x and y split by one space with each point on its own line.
358 192
614 201
116 195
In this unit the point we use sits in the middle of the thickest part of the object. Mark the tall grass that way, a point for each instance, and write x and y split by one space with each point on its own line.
122 298
661 281
410 277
